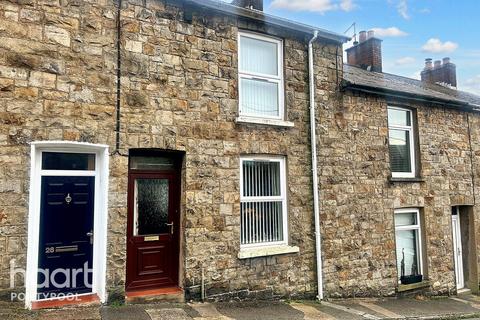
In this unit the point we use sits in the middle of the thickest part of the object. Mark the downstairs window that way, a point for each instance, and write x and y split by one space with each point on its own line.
263 201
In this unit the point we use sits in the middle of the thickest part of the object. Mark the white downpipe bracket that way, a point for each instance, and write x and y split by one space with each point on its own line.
313 140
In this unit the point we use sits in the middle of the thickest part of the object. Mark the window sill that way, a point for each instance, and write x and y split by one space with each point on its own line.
398 179
264 121
413 286
266 251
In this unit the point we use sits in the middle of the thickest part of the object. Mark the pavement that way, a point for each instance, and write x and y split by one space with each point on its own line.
459 307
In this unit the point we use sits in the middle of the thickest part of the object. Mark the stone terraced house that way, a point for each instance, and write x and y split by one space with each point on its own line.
196 149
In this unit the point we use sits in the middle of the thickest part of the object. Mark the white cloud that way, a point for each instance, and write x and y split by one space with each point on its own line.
425 11
434 45
405 61
402 9
389 32
320 6
347 5
472 85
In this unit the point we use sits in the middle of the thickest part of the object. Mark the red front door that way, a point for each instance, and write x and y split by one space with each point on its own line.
153 230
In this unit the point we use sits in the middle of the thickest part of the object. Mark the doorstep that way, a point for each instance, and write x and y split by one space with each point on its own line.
84 299
413 286
464 291
168 294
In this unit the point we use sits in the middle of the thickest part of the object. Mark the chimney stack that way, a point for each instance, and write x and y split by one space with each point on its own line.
249 4
363 36
428 64
367 54
443 72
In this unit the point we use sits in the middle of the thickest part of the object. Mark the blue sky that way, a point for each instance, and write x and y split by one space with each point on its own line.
412 30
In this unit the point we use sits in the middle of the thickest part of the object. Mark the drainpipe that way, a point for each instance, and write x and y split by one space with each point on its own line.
119 75
313 140
472 169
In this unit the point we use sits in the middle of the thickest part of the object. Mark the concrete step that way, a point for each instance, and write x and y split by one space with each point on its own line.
172 295
465 291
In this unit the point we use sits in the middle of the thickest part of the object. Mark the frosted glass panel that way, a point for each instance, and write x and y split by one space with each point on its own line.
259 98
407 251
151 206
258 56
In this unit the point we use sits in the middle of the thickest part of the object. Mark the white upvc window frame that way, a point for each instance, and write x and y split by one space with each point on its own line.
411 130
283 197
279 79
416 227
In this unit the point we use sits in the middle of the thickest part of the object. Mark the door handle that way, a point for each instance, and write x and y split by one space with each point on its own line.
171 227
90 234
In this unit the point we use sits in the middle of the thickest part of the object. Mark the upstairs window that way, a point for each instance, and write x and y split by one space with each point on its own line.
260 76
401 142
263 207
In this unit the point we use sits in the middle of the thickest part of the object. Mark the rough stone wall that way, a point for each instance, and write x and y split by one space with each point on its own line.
358 200
474 121
179 85
57 82
179 92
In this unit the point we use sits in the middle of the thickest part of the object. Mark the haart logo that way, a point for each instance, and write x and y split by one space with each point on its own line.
49 280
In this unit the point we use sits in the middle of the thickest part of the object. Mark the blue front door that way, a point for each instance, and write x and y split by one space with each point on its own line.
65 258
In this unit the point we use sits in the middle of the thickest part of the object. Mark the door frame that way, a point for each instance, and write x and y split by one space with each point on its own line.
100 211
132 176
176 173
457 239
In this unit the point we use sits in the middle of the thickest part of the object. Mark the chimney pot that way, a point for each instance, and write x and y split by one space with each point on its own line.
428 64
370 34
367 54
446 60
437 64
363 36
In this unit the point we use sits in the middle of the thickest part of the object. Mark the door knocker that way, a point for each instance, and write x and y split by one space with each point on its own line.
68 199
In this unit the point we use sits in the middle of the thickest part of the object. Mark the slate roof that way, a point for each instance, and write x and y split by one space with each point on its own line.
263 17
355 77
